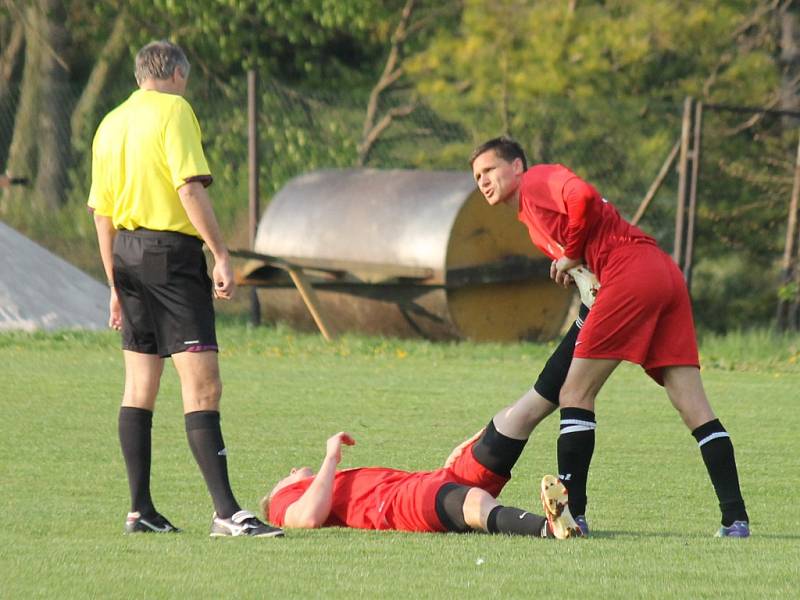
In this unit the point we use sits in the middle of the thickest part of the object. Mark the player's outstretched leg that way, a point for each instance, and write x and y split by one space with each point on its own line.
462 509
556 509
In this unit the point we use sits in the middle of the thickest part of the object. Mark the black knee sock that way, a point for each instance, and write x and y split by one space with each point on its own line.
205 439
513 521
134 438
497 452
717 450
575 449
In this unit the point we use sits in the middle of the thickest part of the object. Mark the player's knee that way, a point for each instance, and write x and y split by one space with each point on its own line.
575 397
203 394
477 506
140 396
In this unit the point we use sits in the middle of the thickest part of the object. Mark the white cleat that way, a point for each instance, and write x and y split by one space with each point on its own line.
556 509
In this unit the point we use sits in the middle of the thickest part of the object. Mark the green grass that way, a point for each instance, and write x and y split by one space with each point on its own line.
652 509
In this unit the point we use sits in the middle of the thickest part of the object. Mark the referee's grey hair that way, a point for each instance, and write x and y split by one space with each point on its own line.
158 60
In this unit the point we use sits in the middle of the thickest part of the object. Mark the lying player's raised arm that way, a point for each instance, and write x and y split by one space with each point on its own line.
312 509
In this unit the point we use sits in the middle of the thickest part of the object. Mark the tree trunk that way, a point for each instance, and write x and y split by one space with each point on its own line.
9 57
789 60
392 71
87 103
55 103
22 151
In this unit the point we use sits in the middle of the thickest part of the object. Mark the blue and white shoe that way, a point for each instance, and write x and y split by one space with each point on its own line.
583 524
737 529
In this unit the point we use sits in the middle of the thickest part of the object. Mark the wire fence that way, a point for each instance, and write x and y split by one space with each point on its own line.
743 194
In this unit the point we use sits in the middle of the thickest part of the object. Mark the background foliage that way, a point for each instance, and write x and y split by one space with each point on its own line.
597 85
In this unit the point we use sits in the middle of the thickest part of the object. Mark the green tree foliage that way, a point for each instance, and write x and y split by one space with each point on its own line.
595 84
307 42
598 85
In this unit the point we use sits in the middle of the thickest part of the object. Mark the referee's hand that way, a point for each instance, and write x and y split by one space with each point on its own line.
224 284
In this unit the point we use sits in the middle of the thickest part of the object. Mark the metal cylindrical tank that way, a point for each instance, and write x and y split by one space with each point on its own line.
422 254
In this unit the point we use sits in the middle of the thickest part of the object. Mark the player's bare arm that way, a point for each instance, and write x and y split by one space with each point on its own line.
105 239
197 203
311 510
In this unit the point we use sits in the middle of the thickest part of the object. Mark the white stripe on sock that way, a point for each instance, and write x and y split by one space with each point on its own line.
590 424
713 436
575 429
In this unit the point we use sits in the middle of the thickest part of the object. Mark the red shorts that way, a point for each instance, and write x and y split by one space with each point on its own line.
413 507
642 313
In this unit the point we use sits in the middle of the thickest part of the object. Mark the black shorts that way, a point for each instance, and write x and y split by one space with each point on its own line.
165 292
555 369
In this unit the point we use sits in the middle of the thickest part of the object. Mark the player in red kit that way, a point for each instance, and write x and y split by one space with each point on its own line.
642 314
459 497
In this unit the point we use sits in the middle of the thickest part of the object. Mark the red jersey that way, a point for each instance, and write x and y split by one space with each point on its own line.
380 498
566 216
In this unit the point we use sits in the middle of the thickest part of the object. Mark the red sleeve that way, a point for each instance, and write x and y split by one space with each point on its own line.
283 499
578 196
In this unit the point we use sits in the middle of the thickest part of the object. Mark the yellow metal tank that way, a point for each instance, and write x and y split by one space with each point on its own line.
405 253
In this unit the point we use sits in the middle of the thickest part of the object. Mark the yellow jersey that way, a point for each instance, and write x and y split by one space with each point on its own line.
143 151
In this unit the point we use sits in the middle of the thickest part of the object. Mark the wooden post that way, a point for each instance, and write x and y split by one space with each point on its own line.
695 156
790 248
793 318
654 187
309 296
683 167
252 187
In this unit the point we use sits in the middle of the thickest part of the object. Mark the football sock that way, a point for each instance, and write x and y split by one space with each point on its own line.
497 452
134 439
548 384
575 449
513 521
717 451
205 439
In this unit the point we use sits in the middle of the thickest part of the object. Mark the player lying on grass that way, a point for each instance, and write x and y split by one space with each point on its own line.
459 497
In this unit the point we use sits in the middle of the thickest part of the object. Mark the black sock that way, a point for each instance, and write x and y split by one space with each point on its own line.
717 450
575 449
205 440
134 439
497 452
513 521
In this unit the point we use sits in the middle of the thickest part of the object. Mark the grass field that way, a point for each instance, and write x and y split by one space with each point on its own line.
652 509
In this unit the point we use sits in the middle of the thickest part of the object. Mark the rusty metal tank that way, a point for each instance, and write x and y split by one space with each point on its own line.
405 253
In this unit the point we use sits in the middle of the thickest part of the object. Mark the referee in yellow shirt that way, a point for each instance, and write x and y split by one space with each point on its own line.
152 214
